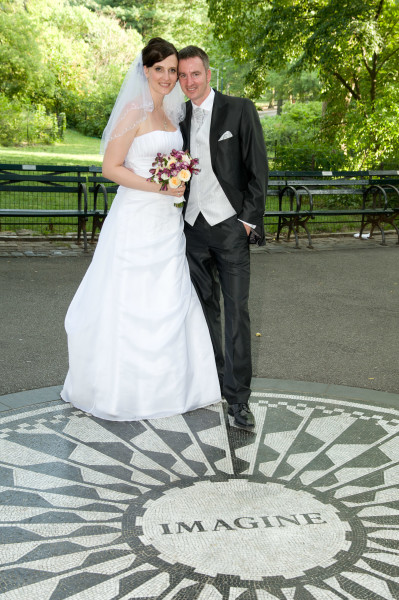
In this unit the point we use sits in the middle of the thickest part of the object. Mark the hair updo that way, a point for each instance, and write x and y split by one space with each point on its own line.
157 50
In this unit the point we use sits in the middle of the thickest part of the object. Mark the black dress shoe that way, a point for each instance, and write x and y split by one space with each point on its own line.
242 415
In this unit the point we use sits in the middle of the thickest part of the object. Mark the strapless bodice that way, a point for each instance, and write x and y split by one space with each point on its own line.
145 147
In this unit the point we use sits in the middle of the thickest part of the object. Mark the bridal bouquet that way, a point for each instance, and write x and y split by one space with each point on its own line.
173 169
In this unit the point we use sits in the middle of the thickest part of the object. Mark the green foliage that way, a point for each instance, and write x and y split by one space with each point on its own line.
21 70
297 123
187 25
87 63
293 138
70 56
354 45
64 58
281 85
21 123
308 157
278 86
372 138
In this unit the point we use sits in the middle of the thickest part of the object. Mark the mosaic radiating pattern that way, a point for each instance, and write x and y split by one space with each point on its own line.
306 507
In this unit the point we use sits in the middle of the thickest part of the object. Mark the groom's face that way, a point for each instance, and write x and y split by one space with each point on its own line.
194 79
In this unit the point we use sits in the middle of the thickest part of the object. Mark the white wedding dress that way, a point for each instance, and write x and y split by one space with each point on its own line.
139 346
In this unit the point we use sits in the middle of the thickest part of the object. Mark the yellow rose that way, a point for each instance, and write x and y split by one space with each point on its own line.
184 175
171 162
174 182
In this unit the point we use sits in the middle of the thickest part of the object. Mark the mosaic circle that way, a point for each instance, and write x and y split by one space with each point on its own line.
189 507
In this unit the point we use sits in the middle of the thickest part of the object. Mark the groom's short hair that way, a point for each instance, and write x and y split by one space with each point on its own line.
194 52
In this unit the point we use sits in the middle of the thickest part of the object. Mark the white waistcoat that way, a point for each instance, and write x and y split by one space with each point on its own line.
206 194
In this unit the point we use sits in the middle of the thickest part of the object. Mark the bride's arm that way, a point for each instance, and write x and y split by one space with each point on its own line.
114 169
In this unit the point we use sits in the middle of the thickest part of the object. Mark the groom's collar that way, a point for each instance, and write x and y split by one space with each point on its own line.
207 104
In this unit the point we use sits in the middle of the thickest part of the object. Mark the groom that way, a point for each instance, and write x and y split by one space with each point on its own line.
223 214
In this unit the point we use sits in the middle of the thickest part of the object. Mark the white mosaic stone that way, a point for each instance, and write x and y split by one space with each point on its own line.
368 582
236 592
322 594
104 591
112 567
10 553
153 588
209 593
43 589
263 595
99 478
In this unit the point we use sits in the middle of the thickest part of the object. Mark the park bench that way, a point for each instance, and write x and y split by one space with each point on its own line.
293 198
43 191
298 192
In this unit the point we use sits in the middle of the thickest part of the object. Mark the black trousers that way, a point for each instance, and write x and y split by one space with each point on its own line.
218 256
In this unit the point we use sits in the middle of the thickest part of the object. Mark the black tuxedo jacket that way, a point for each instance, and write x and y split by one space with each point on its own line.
239 162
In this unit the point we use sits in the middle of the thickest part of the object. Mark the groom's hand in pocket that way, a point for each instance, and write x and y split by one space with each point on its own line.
248 229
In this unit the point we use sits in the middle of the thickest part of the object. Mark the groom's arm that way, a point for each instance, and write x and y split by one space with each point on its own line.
253 152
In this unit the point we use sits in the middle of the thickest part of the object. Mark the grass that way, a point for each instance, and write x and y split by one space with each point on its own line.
74 149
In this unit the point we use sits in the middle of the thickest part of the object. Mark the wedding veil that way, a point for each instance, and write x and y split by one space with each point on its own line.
134 102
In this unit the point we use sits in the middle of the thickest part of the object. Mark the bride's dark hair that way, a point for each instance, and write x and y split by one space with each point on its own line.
157 50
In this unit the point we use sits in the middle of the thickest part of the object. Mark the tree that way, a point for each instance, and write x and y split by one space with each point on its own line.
283 85
153 18
293 139
353 44
22 72
64 58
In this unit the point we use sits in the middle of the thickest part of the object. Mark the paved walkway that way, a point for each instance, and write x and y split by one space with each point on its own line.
328 315
190 507
14 245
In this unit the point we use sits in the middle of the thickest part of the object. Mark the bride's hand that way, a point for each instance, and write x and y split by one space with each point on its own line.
177 192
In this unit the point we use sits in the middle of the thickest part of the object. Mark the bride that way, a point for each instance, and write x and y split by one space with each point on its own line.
138 343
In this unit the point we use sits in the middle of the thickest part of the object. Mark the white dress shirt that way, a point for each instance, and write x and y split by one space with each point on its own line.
206 193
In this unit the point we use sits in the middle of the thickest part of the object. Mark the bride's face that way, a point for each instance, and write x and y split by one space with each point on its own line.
162 76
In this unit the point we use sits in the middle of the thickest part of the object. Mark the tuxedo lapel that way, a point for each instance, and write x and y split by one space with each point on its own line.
217 118
186 129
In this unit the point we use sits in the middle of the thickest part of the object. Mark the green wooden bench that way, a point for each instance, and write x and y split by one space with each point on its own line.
378 193
47 183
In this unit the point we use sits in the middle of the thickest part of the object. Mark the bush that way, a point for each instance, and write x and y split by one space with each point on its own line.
311 157
293 139
90 114
22 123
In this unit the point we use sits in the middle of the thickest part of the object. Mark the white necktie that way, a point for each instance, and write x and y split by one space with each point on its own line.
199 116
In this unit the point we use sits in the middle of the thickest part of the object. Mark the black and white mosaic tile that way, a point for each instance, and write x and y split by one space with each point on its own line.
306 507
